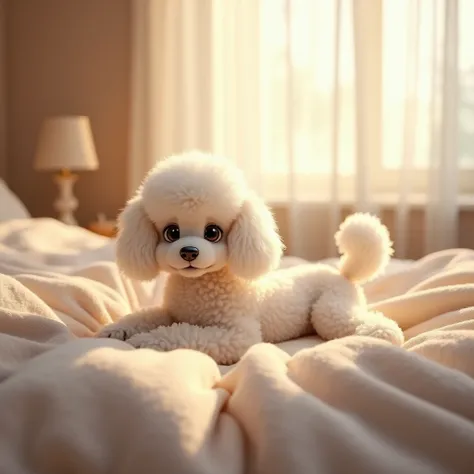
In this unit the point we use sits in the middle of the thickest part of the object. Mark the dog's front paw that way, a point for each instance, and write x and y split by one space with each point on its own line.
122 333
142 341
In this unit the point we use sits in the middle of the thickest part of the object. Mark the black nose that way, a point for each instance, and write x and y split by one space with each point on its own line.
189 253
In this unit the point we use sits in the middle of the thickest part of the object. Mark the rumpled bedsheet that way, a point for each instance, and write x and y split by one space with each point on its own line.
73 404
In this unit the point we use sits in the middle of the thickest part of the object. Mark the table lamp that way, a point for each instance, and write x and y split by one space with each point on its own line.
65 144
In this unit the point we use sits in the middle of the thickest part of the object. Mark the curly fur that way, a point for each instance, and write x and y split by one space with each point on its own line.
230 296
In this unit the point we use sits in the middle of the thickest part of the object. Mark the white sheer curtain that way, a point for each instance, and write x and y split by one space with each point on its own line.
329 106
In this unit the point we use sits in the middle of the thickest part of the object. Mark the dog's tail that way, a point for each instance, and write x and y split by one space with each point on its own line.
365 247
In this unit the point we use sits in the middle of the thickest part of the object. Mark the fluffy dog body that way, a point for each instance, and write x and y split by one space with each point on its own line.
194 218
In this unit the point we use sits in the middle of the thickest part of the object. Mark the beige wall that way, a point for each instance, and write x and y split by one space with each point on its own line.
68 57
3 145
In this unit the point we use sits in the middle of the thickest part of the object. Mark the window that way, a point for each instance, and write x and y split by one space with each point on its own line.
310 101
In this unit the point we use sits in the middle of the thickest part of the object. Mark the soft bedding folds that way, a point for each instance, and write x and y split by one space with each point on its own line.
69 403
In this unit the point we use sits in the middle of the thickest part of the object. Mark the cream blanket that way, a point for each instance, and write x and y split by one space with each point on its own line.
70 404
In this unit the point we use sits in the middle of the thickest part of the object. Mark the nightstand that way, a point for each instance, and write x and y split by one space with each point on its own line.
103 226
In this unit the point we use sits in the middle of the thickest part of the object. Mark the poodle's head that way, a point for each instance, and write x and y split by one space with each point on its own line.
194 214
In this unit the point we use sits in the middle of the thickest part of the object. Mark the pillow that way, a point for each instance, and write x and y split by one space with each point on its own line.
10 205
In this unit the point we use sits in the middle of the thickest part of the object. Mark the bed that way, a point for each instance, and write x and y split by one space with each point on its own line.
71 403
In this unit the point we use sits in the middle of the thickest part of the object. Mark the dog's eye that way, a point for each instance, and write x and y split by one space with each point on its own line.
171 233
213 233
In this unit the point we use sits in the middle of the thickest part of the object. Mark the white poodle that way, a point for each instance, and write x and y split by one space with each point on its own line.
195 218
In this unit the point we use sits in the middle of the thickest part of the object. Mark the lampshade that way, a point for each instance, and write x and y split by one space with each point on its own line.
66 142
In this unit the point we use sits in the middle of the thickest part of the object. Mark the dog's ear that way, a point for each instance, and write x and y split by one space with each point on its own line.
136 242
254 244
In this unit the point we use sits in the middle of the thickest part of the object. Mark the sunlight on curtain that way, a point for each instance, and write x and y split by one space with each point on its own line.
329 106
374 111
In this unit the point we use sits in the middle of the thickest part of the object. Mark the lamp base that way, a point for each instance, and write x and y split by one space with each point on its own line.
67 203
